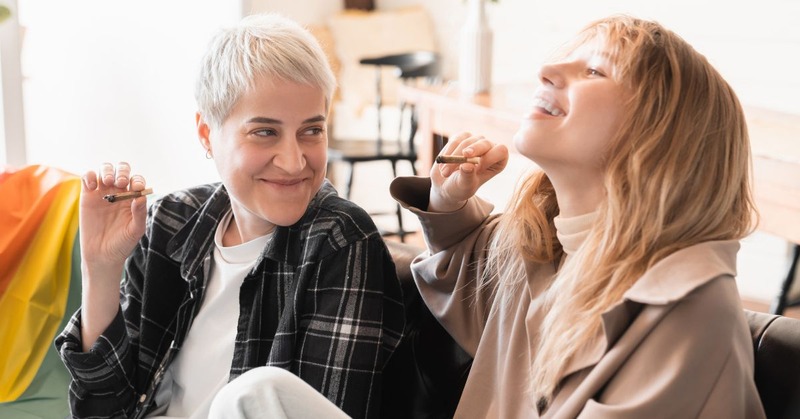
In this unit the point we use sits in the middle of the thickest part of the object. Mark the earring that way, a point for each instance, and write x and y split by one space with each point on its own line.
208 153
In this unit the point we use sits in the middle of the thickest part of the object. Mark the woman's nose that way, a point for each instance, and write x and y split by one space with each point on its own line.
289 156
550 74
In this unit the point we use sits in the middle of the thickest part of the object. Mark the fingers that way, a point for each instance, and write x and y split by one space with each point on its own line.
137 183
495 159
110 176
468 145
89 181
107 174
454 142
123 175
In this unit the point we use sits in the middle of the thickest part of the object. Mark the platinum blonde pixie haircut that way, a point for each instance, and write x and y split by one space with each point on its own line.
259 45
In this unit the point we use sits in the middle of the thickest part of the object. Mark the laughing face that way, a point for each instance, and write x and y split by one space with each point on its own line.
574 114
271 153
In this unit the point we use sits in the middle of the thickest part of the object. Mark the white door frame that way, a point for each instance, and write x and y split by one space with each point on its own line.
12 141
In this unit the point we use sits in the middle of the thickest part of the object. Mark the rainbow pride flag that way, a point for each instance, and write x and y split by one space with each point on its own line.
39 288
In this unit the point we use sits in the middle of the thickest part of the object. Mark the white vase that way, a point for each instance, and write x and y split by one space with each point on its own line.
475 59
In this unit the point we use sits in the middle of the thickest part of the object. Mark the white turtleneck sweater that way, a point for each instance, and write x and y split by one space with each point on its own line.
572 231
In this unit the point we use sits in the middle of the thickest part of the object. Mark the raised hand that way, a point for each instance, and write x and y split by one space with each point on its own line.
109 232
454 183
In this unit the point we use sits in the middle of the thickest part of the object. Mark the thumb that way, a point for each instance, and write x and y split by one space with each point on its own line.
138 215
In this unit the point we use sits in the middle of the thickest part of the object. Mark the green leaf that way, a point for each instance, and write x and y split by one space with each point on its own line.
5 13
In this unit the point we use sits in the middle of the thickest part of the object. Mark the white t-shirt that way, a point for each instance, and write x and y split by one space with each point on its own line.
203 364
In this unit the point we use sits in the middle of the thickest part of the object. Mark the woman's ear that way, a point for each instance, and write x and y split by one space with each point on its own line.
203 131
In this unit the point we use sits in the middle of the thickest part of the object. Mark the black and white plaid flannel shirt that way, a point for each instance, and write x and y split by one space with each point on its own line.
323 301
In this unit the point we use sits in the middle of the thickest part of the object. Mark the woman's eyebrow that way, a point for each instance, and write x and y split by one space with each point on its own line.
265 120
318 118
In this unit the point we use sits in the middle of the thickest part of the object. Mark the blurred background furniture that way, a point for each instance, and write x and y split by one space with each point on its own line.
349 37
789 295
359 4
442 110
410 68
776 342
776 166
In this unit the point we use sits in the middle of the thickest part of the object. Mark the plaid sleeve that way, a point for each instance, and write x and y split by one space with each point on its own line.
352 321
102 384
98 387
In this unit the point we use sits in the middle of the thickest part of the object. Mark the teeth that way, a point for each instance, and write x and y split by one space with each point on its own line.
552 110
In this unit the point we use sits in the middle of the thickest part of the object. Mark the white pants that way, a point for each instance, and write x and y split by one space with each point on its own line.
271 392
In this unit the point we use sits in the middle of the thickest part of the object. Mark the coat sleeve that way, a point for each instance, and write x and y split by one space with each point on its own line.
696 363
352 321
450 275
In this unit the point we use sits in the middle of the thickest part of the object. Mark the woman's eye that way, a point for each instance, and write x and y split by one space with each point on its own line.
266 132
593 72
314 131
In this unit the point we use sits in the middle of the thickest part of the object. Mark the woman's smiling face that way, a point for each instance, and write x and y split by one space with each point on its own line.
576 111
271 153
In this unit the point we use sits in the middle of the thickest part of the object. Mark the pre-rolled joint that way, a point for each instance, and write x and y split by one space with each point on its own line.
457 159
127 195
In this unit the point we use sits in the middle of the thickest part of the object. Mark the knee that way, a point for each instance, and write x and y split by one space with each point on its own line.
269 377
252 390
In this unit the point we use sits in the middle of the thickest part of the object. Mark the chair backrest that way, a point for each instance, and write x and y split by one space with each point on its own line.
776 343
410 66
789 295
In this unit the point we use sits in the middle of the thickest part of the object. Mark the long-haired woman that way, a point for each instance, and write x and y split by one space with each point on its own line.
607 287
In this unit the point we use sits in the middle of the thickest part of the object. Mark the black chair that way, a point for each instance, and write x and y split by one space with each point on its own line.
788 296
776 344
410 67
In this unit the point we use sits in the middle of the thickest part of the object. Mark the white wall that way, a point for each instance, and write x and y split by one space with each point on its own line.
755 45
113 80
306 12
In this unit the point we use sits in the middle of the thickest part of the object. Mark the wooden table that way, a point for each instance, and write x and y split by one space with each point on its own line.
775 140
444 111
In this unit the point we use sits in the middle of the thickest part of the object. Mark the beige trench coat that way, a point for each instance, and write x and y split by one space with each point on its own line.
677 346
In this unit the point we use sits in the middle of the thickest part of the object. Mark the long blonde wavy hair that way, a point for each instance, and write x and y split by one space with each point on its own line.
677 173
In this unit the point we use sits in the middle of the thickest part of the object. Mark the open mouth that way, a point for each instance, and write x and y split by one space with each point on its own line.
547 107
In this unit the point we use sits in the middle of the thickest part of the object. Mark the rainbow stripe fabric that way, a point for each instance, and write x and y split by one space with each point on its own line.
39 287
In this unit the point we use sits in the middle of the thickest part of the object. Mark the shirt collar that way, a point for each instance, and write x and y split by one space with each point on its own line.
193 242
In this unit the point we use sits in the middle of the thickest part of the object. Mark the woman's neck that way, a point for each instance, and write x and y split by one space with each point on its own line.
240 231
578 197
